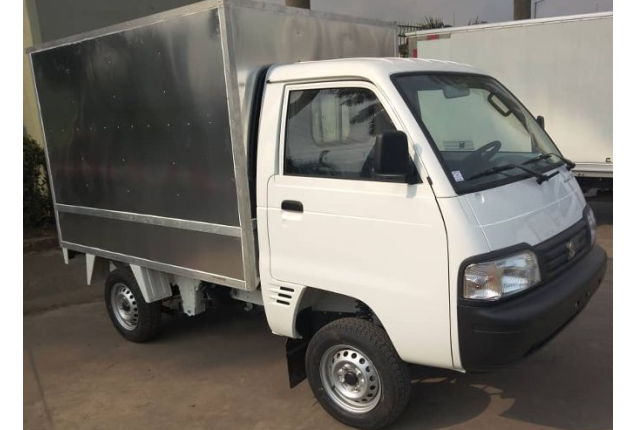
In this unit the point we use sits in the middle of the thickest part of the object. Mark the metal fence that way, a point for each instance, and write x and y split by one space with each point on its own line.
403 29
408 27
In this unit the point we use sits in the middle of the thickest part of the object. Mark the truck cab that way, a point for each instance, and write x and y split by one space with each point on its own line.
426 190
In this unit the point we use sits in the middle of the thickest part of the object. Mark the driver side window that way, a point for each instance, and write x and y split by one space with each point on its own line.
331 132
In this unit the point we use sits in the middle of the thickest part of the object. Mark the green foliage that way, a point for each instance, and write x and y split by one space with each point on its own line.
37 209
430 22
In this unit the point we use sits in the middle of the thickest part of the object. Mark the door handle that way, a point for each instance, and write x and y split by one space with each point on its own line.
292 206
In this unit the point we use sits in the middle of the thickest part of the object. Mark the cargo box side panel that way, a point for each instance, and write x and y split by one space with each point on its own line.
208 253
295 35
137 121
137 132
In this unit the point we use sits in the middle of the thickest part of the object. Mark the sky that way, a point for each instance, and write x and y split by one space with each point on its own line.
453 12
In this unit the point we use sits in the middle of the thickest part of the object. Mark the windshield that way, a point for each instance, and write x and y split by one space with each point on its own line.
478 128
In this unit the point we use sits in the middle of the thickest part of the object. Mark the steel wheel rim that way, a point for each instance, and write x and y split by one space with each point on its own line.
124 306
350 379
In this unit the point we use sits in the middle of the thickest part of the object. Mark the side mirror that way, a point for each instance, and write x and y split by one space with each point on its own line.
540 121
391 157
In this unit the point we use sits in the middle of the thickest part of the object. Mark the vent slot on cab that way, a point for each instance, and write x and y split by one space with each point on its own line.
282 295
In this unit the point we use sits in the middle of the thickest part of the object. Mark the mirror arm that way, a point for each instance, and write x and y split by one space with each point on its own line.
393 177
413 179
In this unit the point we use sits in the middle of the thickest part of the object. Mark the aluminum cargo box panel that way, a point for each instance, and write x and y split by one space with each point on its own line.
207 253
137 121
295 35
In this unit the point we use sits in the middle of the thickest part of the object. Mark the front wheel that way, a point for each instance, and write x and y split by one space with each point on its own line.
356 374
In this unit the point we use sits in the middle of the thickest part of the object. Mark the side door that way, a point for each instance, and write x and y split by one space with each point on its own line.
333 225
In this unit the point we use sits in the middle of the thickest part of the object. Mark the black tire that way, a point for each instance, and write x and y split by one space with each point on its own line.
373 342
146 316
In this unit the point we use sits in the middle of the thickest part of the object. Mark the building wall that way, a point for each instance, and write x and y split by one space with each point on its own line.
30 118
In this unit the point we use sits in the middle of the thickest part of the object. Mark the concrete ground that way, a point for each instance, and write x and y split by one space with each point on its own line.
225 371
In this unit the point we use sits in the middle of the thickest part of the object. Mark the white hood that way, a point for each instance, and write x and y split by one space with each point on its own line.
525 212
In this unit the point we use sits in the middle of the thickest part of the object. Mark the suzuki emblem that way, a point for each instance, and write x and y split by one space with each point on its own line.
570 247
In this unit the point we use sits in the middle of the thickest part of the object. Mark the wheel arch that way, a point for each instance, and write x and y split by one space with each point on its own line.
309 309
324 306
292 310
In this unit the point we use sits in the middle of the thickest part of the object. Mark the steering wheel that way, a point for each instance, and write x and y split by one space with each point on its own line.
481 155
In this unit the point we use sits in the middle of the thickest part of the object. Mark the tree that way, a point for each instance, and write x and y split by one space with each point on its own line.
430 22
37 209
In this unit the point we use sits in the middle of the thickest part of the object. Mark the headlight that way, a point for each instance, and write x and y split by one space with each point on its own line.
492 280
592 224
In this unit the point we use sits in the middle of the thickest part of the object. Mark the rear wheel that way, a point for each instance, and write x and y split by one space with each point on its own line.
135 319
356 374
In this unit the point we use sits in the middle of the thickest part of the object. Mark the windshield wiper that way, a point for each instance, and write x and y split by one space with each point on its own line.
569 163
499 169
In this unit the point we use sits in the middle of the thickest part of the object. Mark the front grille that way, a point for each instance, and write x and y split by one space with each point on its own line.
557 253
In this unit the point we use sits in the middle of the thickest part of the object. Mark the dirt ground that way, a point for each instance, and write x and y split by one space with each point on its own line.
227 371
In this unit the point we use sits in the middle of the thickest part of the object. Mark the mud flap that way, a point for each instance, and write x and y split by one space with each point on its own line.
295 352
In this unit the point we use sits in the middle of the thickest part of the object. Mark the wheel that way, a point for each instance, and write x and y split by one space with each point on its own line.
135 319
356 374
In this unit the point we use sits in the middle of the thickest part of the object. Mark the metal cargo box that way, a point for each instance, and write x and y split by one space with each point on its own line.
146 127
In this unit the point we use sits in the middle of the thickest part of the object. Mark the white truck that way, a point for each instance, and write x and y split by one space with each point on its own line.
561 68
199 156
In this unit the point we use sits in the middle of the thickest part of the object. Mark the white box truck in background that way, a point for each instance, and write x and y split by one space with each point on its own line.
237 152
562 69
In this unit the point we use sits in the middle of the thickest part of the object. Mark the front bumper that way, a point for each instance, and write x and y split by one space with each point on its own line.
498 334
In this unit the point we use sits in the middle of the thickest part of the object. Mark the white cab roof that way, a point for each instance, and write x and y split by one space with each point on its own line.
366 68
